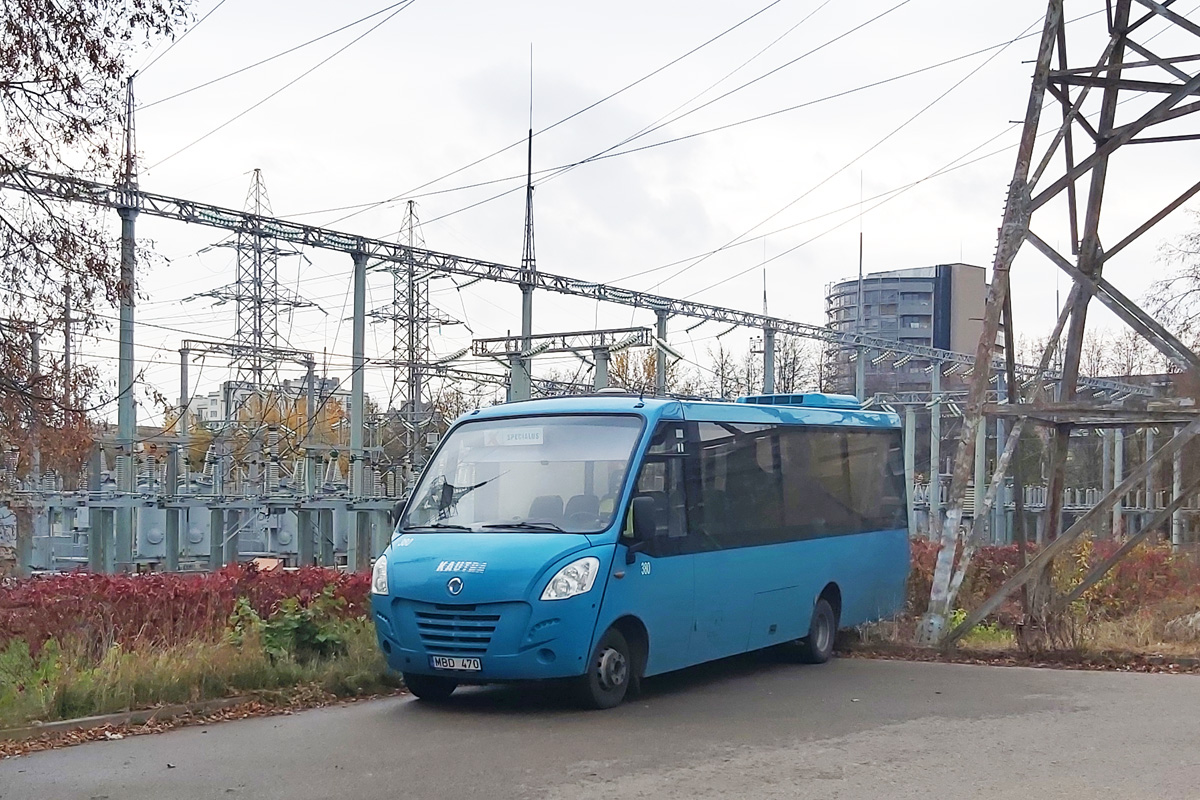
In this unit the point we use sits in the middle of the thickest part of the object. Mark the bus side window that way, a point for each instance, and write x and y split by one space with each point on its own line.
662 479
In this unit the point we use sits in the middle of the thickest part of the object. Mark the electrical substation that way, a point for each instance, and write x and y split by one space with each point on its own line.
264 486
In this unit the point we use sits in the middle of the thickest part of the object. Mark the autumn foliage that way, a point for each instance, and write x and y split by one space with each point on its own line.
1148 575
94 611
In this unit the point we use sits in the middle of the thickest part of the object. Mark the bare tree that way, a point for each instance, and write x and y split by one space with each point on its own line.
1176 298
797 365
63 66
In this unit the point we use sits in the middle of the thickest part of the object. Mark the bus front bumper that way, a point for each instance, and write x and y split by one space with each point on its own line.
512 641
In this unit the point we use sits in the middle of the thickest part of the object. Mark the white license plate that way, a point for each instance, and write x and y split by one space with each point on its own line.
454 662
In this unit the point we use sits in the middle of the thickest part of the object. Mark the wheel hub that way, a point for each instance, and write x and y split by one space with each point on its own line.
822 634
613 669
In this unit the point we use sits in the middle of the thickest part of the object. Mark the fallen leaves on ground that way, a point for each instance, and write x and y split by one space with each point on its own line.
1102 662
265 705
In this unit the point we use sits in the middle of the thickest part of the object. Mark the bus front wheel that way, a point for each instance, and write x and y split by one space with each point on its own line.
817 647
609 674
430 687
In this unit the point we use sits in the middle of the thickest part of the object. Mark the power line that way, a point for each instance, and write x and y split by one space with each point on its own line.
866 152
180 39
893 196
287 85
607 154
409 194
270 58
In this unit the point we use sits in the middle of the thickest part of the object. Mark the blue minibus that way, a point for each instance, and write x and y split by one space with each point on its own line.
611 537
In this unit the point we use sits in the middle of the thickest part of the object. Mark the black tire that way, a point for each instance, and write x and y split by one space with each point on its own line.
817 647
610 672
430 687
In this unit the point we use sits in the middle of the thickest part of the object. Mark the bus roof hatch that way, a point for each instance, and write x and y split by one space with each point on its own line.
808 399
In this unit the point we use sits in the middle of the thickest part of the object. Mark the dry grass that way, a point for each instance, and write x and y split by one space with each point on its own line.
62 685
1145 630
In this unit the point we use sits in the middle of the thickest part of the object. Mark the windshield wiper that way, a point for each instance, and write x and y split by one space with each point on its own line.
438 525
527 526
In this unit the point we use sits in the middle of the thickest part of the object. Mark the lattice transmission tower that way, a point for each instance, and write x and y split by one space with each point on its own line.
257 295
412 316
1134 85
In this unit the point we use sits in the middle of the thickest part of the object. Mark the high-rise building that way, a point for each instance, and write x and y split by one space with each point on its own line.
939 306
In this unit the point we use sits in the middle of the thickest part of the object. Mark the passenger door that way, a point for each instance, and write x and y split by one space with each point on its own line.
659 586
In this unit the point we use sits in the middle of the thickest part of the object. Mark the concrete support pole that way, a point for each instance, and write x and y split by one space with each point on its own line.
100 540
305 539
1108 438
95 538
520 383
306 533
660 358
860 374
125 410
980 466
381 533
1118 475
1106 473
1000 533
38 517
216 539
601 355
234 522
310 401
768 360
1176 489
358 543
910 464
935 445
171 544
325 534
35 357
185 401
1151 478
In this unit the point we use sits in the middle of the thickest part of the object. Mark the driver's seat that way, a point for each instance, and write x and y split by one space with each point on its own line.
546 508
586 504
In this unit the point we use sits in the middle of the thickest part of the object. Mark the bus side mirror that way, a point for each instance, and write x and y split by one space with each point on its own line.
642 510
644 524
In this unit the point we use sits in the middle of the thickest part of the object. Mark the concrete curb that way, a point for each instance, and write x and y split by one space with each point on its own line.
140 717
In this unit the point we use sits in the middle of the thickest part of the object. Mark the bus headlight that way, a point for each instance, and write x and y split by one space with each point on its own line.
575 578
379 576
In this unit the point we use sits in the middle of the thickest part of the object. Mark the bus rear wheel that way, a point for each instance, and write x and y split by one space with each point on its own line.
817 647
430 687
609 674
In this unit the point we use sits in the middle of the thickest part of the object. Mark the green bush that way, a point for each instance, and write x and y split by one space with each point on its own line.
312 645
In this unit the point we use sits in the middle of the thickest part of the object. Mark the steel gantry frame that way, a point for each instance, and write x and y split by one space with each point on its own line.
600 343
71 189
1083 182
129 201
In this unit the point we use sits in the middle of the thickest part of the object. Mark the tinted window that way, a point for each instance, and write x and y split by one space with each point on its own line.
760 484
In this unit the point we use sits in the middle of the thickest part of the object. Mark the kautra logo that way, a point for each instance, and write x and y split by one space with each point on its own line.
461 566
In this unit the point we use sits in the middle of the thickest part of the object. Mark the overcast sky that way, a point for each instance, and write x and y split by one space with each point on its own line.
444 83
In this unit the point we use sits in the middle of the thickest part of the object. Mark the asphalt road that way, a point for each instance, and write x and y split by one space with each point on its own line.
747 727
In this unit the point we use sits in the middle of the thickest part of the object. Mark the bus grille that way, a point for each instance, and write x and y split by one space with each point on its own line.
455 629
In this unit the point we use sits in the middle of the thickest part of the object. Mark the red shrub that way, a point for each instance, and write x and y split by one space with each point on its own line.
1151 573
161 608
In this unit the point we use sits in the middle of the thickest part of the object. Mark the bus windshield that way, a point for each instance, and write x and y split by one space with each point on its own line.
548 473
